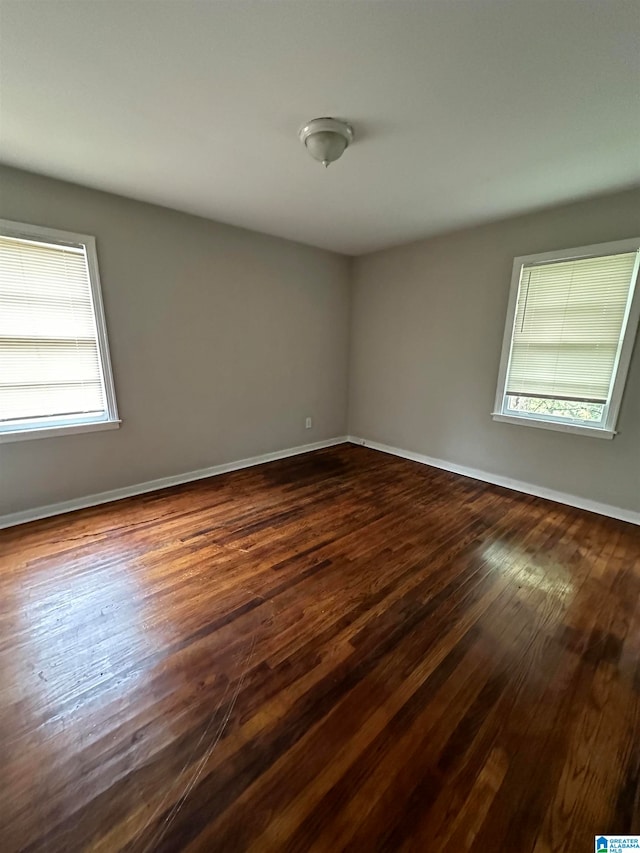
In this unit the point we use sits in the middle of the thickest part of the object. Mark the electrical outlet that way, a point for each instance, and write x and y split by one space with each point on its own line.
308 423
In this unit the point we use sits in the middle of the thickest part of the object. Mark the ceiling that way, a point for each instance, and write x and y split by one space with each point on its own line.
463 110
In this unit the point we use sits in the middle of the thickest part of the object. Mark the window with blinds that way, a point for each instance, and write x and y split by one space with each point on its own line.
569 337
54 368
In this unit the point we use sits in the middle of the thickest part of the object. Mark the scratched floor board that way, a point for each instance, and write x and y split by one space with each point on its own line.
339 651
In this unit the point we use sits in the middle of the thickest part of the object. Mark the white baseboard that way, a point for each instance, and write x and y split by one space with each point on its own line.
506 482
162 483
177 479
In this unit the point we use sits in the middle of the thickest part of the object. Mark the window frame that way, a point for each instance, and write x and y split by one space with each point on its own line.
607 427
45 427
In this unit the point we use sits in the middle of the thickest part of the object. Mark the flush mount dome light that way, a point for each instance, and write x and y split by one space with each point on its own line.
326 138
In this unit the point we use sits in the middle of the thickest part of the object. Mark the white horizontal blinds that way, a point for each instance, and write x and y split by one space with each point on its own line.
569 319
49 356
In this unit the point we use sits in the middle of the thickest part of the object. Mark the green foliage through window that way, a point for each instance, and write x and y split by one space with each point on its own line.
571 410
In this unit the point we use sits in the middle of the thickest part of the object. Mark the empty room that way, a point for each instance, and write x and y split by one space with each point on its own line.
319 426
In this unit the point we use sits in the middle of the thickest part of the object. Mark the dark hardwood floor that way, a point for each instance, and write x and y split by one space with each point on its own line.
343 650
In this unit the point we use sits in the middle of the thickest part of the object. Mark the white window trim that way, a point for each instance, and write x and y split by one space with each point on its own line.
623 359
75 424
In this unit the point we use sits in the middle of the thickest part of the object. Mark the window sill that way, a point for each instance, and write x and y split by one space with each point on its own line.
577 429
51 431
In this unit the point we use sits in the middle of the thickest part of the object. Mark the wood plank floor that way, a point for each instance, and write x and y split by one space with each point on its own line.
343 650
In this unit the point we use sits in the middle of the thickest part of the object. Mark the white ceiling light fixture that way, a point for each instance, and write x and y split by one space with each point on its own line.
326 139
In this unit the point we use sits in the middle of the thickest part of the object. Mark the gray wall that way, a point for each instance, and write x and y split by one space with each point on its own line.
222 341
426 336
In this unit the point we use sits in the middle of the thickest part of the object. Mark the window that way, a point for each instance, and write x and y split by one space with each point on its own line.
55 374
571 325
